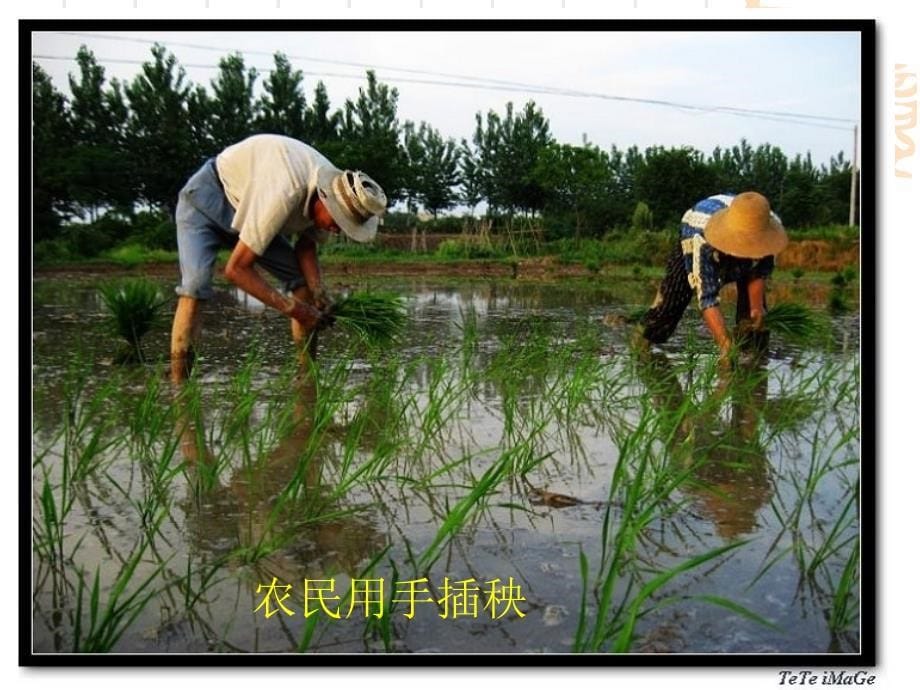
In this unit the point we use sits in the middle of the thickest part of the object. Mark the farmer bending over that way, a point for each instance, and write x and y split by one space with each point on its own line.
723 239
248 198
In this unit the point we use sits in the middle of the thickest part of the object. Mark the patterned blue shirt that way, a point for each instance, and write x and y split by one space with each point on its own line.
708 269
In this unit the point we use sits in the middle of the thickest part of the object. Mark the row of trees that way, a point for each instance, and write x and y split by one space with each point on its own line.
122 146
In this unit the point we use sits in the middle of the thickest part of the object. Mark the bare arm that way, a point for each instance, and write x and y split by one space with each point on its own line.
305 250
241 271
755 290
716 324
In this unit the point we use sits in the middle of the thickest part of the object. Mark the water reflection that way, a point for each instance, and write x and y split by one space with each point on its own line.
275 512
718 438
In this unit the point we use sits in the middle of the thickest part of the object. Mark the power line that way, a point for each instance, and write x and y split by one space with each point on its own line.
804 119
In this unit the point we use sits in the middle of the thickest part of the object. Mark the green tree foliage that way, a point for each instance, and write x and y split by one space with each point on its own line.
95 162
371 138
323 124
578 183
508 152
282 109
672 180
800 193
231 112
161 135
470 192
432 168
51 137
111 148
835 191
624 166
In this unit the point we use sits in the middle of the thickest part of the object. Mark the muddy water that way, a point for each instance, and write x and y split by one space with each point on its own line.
219 530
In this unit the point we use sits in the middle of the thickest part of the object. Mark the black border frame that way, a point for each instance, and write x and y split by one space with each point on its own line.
869 139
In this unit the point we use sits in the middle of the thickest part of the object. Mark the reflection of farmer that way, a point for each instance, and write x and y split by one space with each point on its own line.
254 511
249 197
723 239
727 459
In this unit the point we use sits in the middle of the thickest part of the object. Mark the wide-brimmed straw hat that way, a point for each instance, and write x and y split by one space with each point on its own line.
354 201
746 228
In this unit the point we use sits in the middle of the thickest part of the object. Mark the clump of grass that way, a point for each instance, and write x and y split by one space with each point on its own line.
635 315
377 318
796 322
134 308
838 302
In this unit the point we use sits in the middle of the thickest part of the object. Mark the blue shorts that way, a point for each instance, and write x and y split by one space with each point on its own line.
204 218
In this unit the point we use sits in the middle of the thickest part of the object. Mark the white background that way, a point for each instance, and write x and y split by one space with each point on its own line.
896 459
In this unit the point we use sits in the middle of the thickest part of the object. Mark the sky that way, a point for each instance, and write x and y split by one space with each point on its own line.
578 79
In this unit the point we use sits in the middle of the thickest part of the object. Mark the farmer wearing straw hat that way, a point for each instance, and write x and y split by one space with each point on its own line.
248 198
725 238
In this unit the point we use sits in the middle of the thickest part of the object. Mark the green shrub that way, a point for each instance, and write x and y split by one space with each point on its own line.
467 247
91 239
133 254
642 217
828 233
52 251
647 248
154 229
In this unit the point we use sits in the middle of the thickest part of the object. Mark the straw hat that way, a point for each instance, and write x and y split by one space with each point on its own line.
746 228
354 201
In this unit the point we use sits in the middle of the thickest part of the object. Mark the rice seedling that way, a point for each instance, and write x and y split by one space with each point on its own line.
844 611
206 573
50 519
109 620
440 445
462 510
797 323
640 496
134 307
377 318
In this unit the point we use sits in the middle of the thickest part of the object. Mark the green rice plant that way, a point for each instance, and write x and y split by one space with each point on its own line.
845 608
462 510
50 519
134 308
109 620
377 318
641 486
838 303
331 397
309 630
797 323
206 573
445 392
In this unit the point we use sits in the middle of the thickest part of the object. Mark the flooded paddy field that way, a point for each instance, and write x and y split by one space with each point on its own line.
513 477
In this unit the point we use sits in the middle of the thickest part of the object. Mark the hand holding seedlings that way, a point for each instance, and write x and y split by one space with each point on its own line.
305 314
322 300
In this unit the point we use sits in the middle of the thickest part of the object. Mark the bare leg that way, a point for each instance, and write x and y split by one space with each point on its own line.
185 333
304 339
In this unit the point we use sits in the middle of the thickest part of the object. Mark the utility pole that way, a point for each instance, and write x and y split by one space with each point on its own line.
853 176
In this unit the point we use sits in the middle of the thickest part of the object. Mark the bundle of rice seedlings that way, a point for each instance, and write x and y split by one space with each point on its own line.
134 307
378 318
796 322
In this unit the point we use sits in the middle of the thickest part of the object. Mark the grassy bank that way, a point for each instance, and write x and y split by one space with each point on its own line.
640 254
